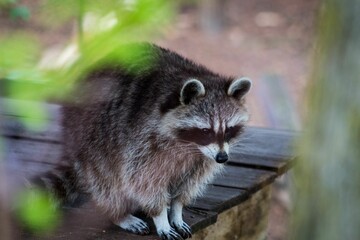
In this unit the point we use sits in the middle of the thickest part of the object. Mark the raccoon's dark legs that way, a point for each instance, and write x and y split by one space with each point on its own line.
163 228
176 219
133 224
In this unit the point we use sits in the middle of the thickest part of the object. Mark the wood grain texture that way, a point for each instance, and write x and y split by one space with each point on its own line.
261 156
265 149
247 179
218 199
89 223
264 142
31 151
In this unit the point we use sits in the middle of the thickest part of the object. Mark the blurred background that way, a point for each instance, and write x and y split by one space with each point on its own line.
270 41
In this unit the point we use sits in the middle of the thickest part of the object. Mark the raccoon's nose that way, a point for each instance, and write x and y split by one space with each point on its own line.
221 157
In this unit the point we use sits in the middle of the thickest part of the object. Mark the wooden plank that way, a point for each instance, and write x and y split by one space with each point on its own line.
277 164
265 149
25 150
218 199
266 142
12 121
32 157
245 178
29 153
255 151
25 169
35 156
261 148
198 220
89 223
14 127
8 107
258 141
15 176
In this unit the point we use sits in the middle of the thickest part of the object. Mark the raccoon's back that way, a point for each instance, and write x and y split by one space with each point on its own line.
147 85
115 102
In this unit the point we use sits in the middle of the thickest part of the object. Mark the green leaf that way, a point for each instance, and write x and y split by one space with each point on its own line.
17 51
37 210
56 12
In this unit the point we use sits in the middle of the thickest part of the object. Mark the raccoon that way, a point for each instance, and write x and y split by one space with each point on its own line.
148 133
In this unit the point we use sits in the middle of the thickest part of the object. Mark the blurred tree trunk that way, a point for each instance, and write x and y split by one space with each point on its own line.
327 203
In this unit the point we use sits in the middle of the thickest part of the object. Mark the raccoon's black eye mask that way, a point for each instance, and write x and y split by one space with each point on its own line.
232 132
206 136
201 136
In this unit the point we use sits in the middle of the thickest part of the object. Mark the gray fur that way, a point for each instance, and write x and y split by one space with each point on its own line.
121 133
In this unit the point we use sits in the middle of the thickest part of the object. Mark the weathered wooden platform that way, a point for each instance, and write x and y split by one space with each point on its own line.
240 195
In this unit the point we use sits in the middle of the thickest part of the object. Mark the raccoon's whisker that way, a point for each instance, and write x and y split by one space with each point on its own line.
192 151
180 149
242 146
168 149
237 144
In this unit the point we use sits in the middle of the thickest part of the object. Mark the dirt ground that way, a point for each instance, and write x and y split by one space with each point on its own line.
261 39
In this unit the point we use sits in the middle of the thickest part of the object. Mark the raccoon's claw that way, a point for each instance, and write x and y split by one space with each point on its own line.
141 230
183 229
171 235
135 225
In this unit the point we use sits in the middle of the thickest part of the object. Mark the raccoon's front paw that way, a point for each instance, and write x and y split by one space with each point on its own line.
134 225
182 228
169 235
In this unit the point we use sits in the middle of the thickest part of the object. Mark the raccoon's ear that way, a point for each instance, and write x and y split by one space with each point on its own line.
239 87
191 89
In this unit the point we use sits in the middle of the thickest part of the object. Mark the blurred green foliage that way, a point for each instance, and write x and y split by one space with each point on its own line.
6 2
20 12
103 27
14 10
18 51
38 211
31 74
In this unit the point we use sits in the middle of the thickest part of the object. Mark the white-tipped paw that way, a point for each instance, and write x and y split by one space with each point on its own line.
134 225
169 235
182 228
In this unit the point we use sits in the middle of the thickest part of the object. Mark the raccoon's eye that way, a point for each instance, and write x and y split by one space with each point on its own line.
231 132
205 130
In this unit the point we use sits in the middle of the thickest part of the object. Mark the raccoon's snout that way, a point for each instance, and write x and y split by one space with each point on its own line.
221 157
214 152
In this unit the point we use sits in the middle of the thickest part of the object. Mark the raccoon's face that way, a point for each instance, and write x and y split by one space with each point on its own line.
212 116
